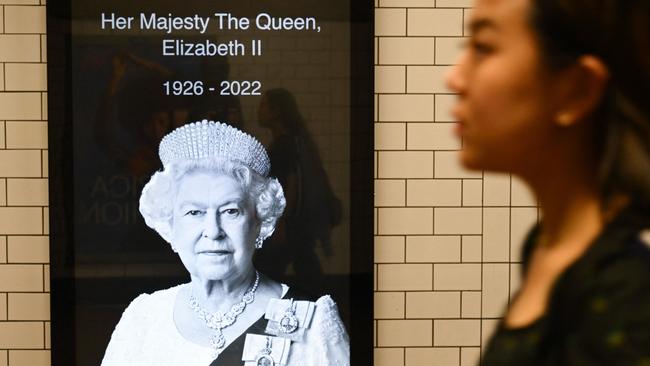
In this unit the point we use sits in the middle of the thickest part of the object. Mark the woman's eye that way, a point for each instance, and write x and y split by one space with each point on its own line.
231 211
480 48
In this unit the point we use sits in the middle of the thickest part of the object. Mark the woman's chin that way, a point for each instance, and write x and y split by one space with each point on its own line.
476 162
469 160
215 273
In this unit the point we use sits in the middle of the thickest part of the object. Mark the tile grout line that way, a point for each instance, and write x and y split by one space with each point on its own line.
510 245
406 21
404 236
461 304
433 288
404 312
462 32
448 318
462 246
481 265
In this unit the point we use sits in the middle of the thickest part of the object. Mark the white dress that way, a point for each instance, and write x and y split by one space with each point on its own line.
146 335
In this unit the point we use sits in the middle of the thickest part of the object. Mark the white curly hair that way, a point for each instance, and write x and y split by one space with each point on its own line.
157 198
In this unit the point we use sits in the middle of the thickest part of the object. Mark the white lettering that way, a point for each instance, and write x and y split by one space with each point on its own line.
265 21
227 21
171 23
179 47
116 22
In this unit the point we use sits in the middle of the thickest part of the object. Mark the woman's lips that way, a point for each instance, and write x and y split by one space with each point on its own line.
215 252
458 129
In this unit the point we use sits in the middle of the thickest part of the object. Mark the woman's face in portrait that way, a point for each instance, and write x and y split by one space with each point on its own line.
214 226
505 99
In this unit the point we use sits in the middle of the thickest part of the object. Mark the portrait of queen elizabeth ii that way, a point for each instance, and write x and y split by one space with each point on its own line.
215 204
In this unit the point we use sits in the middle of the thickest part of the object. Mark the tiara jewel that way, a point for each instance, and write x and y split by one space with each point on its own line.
209 139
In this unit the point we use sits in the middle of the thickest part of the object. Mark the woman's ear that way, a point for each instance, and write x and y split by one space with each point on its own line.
584 85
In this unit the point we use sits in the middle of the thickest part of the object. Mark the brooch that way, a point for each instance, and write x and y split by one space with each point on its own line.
288 318
289 322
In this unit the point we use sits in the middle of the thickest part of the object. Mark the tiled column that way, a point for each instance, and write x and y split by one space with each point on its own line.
446 239
24 245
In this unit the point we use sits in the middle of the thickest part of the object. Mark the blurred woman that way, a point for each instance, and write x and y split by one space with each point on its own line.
556 92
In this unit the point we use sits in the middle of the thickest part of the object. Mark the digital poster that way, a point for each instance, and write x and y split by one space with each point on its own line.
211 182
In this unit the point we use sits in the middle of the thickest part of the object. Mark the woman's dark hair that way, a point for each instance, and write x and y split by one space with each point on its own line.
284 105
617 32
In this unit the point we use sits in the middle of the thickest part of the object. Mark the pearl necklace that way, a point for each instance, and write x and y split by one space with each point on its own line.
218 321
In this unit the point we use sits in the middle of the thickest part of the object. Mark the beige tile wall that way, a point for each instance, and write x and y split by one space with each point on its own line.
447 240
24 244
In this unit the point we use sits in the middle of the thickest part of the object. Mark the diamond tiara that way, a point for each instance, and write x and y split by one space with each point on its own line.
208 139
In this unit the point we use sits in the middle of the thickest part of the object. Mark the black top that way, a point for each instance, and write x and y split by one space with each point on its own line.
599 308
231 355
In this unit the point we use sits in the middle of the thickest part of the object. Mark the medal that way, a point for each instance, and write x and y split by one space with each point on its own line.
289 322
264 358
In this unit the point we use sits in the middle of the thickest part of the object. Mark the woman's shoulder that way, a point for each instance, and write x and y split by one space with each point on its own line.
625 266
622 256
604 309
612 280
617 265
146 312
146 334
327 322
164 293
327 305
148 304
625 242
325 341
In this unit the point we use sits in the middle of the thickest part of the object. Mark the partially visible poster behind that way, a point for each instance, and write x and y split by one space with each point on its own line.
295 77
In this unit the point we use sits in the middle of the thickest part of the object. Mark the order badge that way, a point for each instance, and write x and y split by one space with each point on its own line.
288 318
263 350
289 321
265 358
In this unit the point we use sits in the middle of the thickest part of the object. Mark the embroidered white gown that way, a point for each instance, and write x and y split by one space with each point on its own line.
146 335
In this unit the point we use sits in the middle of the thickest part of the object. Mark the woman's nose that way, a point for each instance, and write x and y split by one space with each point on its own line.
455 79
212 227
